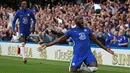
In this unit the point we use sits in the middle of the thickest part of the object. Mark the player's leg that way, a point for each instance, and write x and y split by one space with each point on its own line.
75 65
91 64
22 48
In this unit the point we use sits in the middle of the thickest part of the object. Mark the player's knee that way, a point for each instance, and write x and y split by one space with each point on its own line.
72 70
93 69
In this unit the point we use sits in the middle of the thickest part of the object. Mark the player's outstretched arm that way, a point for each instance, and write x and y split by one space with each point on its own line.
43 46
94 39
61 39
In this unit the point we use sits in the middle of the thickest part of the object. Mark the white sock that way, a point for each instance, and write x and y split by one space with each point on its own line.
23 52
84 68
88 69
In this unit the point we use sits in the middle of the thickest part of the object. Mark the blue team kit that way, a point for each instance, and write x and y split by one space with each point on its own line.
82 51
25 21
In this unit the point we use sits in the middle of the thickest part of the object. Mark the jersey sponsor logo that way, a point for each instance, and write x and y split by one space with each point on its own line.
82 36
25 20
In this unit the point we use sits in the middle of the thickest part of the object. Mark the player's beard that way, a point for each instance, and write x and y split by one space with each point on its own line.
80 26
24 8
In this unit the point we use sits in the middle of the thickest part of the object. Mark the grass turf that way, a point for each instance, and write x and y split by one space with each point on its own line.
15 65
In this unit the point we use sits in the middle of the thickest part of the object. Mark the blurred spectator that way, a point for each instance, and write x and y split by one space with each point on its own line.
101 38
109 37
122 40
53 21
15 37
114 41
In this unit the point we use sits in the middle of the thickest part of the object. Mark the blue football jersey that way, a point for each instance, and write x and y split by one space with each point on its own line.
25 21
81 40
122 39
110 36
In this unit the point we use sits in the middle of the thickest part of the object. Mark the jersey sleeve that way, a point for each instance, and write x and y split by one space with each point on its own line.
90 31
34 19
15 18
68 33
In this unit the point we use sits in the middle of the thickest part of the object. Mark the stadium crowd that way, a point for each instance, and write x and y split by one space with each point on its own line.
109 20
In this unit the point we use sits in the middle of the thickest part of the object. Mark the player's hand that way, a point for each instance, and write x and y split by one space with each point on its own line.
111 51
41 47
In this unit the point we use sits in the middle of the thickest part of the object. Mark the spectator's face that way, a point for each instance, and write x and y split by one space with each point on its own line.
124 13
125 6
128 20
73 22
120 32
129 9
62 26
129 31
113 21
106 23
115 33
24 5
120 22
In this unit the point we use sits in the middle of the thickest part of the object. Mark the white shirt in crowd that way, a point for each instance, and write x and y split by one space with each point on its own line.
11 17
15 38
59 21
97 6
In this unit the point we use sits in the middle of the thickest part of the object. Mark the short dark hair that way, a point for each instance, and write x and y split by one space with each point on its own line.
23 1
77 18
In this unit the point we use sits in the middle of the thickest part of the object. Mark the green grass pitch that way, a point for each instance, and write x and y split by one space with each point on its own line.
15 65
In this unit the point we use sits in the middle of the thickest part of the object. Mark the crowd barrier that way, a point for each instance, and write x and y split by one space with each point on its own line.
64 53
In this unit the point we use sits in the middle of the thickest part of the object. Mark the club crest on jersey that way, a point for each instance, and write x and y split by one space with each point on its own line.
85 30
28 14
82 36
25 20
